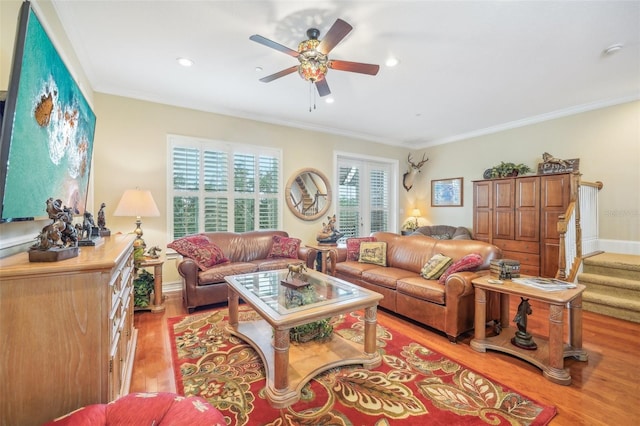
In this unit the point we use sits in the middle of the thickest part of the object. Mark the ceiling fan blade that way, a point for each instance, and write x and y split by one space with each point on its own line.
323 87
279 74
272 44
336 33
370 69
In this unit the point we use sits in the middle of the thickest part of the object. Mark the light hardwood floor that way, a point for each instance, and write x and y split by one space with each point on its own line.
605 390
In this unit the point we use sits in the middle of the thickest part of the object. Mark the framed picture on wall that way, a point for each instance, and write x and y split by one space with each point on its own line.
446 192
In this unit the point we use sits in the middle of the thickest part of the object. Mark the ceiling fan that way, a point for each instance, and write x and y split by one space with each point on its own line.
312 55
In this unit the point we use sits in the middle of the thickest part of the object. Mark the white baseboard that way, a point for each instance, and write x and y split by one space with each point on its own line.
170 287
619 246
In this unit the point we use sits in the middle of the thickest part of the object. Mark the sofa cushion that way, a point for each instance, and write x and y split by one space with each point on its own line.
373 252
467 263
353 246
386 276
284 247
430 290
435 266
218 272
199 248
354 269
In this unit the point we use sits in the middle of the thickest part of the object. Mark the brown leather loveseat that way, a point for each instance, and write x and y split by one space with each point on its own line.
246 252
448 307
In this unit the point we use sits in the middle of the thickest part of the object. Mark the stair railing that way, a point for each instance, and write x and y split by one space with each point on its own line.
578 230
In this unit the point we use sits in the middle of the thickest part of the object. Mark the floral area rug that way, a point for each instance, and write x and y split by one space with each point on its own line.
413 386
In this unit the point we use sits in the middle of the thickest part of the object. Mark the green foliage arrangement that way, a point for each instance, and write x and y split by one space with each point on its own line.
509 169
142 288
320 330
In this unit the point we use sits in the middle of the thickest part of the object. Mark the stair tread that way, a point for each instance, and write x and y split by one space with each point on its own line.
609 281
608 300
629 262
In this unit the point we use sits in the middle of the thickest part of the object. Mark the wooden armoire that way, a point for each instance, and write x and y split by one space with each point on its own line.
520 215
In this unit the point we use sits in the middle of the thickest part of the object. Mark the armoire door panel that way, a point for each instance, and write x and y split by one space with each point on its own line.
555 190
527 225
503 194
503 224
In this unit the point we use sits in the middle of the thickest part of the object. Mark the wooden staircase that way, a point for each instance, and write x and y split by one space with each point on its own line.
613 285
307 200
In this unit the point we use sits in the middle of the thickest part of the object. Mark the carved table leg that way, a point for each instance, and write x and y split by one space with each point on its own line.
370 334
281 354
232 301
556 372
158 305
480 320
575 329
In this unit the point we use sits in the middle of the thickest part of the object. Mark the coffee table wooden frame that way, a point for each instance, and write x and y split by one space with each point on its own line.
551 352
289 367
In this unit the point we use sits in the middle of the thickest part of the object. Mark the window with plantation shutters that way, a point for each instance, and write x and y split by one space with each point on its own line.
366 195
217 186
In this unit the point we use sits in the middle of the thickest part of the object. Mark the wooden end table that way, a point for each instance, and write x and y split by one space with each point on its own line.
158 299
325 250
550 353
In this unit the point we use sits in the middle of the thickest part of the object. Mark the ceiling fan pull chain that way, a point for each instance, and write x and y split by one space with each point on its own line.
312 96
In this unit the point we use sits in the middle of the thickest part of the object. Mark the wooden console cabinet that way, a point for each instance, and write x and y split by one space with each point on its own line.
66 331
520 215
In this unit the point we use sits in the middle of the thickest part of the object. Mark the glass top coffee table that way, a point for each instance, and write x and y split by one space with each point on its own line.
289 367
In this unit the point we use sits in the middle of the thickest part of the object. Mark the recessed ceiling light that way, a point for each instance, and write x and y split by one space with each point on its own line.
612 49
392 62
258 69
185 62
329 100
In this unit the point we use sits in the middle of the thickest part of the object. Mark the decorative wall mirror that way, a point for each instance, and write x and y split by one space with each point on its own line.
308 194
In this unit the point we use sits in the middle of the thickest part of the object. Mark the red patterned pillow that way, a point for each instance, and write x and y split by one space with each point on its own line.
198 247
353 247
285 247
467 263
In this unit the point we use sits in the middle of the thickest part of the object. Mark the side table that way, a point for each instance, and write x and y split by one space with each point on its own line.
158 300
550 353
324 251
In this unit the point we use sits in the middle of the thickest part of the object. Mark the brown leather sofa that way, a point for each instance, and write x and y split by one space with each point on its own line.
447 307
247 252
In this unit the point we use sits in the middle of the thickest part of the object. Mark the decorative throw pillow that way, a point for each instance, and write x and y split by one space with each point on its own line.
198 247
353 247
467 263
373 252
285 247
435 266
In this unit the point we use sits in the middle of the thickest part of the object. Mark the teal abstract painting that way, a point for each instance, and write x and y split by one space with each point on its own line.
52 133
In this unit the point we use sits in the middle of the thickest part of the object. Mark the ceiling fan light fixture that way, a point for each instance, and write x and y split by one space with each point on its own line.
313 64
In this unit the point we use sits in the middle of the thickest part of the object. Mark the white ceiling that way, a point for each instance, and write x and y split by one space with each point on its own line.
466 68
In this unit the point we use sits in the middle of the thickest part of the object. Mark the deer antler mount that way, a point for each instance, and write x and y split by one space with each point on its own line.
414 169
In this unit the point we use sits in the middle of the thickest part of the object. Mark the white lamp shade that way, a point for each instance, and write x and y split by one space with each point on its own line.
416 213
137 203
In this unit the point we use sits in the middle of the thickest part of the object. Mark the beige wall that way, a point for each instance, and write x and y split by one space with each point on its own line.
130 151
607 142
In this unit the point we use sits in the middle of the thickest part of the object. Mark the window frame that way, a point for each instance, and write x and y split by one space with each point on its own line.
231 149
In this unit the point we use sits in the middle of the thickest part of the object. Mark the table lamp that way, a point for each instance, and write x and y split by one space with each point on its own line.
138 203
416 214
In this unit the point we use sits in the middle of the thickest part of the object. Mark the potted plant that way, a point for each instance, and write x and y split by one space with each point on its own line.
508 169
142 288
